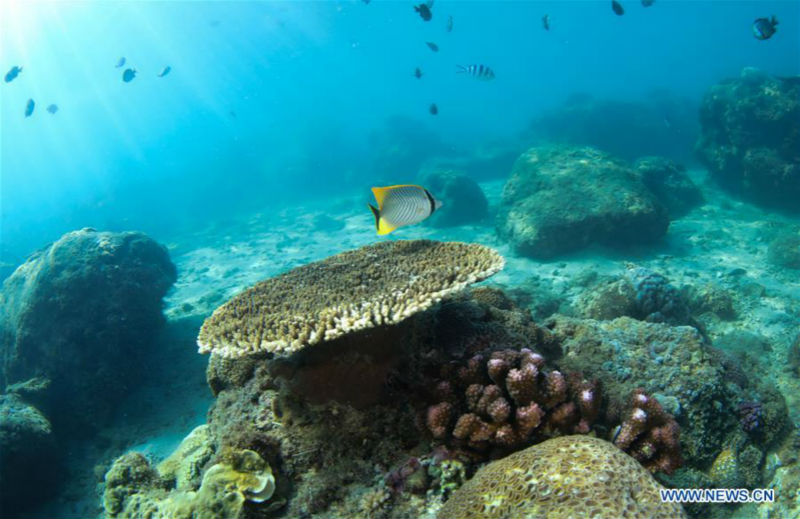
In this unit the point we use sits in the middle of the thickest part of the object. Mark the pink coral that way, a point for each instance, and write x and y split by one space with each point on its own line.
438 419
650 434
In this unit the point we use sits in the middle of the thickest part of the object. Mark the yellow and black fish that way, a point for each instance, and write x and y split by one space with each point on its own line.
401 205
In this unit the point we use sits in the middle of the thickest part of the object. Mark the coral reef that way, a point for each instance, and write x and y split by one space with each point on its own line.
737 469
656 299
352 291
672 364
508 401
750 416
640 293
426 400
133 488
601 481
463 201
750 137
650 435
83 313
670 184
711 299
724 471
276 407
560 200
183 468
609 299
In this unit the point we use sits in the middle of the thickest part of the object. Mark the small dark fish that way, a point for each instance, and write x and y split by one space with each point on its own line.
165 71
366 2
128 75
477 71
617 8
120 63
647 3
424 12
417 73
449 27
52 108
433 109
546 22
12 74
29 108
763 28
232 114
432 46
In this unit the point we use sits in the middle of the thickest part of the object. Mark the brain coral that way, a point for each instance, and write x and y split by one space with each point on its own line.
356 290
569 476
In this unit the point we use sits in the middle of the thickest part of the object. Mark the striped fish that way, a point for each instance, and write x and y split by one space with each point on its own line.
477 71
401 205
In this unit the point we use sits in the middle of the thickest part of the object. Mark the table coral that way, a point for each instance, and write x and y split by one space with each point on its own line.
357 290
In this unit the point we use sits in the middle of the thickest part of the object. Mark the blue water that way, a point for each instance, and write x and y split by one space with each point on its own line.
269 103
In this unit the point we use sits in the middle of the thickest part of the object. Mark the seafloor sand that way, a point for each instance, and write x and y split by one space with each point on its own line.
706 246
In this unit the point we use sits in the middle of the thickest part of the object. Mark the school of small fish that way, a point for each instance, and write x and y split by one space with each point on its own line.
402 205
128 75
399 206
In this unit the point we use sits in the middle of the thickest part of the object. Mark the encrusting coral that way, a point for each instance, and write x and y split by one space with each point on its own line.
569 476
356 290
135 489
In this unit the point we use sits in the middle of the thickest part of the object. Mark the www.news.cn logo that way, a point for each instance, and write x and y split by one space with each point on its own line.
717 495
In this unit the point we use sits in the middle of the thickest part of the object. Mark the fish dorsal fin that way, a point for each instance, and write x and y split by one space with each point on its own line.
380 195
382 192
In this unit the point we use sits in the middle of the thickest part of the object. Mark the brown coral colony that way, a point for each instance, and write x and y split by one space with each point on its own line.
510 400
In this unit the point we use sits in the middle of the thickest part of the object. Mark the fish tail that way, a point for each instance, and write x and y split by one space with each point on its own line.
773 20
461 69
377 214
